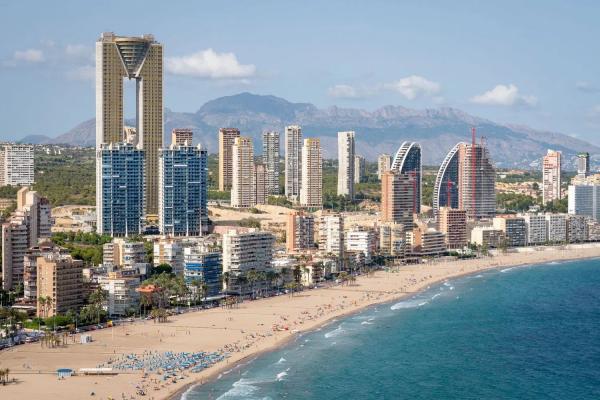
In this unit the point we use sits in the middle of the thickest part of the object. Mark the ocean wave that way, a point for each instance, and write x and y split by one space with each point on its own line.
241 389
282 374
409 304
446 283
281 361
435 296
507 269
366 323
337 331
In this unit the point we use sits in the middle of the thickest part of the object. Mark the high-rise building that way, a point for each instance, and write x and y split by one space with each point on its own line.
141 59
537 231
398 198
331 234
360 168
384 163
345 184
577 228
311 191
261 175
293 161
30 267
557 228
59 277
551 176
120 198
584 200
514 228
227 137
182 137
271 160
408 161
16 165
122 297
299 231
243 189
245 252
130 135
31 221
183 191
453 224
583 164
205 266
476 181
445 189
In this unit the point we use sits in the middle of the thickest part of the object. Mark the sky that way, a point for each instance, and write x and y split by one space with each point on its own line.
532 63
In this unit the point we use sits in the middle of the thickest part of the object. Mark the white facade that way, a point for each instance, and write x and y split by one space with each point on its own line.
122 295
346 164
243 252
271 161
293 161
384 163
557 228
331 234
360 169
16 165
169 251
311 191
537 231
363 240
243 189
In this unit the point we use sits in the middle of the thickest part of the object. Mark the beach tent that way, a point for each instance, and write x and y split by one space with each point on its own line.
64 373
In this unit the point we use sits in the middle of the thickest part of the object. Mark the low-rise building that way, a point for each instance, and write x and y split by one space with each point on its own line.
169 251
363 240
203 267
487 236
123 297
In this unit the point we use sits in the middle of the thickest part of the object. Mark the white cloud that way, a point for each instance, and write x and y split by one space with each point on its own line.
84 73
79 52
506 96
587 87
343 92
29 55
414 86
211 65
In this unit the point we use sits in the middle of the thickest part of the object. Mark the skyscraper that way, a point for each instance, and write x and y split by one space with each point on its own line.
183 190
261 194
182 136
311 191
551 176
331 234
293 161
16 165
345 184
271 161
360 168
120 189
408 161
243 189
384 163
583 164
445 189
398 198
476 181
227 137
141 59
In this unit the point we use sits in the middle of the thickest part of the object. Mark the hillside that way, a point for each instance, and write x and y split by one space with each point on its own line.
378 131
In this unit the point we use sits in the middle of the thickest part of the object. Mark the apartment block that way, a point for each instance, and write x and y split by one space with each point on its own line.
299 231
453 224
293 161
59 277
243 189
311 191
227 138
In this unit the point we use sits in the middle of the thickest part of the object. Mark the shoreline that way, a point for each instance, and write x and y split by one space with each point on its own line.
250 327
251 357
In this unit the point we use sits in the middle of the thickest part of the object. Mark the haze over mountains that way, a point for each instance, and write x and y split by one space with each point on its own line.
379 131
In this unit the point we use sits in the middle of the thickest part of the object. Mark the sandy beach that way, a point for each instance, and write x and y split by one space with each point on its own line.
243 332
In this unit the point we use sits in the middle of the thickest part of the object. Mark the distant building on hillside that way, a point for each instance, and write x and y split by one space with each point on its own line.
16 165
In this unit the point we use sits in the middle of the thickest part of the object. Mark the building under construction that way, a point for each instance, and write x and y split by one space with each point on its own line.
476 181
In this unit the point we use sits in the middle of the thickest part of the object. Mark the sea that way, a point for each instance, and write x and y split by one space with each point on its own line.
529 332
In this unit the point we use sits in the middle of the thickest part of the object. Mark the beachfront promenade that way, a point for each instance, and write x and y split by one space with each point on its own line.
140 352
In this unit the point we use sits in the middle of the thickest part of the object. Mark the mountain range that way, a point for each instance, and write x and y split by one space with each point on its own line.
378 131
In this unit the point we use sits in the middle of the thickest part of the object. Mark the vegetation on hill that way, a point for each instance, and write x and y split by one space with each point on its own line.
66 178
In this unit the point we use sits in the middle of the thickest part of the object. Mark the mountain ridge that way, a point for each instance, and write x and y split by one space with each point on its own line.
379 131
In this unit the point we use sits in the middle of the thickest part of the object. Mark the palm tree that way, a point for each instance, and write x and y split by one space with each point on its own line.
252 279
146 301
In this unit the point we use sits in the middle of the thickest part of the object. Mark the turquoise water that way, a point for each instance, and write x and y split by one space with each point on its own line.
519 333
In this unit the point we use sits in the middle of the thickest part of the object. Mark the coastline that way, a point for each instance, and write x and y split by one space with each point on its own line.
217 373
304 312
